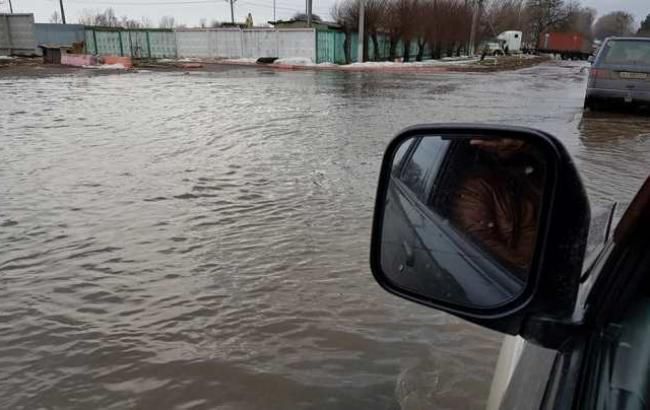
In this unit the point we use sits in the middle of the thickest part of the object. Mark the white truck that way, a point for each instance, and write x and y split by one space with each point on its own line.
511 41
508 42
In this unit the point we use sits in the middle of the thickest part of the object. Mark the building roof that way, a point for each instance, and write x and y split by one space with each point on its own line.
329 24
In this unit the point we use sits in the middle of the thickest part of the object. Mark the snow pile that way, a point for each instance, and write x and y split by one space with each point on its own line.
426 63
6 58
106 66
294 61
375 64
240 60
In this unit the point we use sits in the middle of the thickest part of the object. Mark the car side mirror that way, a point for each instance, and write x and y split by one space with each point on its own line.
591 59
488 223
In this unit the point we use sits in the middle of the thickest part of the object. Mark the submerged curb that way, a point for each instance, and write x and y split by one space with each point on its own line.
406 69
333 67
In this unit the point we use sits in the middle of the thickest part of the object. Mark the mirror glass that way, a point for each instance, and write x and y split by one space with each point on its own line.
460 220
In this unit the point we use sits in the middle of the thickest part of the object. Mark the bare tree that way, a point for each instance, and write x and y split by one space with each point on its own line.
644 30
502 15
167 22
203 23
55 18
578 20
346 14
544 15
617 23
107 18
126 22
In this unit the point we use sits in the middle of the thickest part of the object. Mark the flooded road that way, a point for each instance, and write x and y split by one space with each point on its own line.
200 241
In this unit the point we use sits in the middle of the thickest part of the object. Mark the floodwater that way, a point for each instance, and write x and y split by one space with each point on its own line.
200 241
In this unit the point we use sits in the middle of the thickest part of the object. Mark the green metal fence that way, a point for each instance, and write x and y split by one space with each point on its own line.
138 43
330 48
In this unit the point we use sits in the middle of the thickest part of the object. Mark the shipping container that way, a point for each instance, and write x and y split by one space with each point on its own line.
567 45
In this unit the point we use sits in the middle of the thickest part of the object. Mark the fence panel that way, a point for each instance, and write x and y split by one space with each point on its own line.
17 34
162 44
259 43
59 34
138 44
193 43
326 47
226 43
297 43
331 47
107 42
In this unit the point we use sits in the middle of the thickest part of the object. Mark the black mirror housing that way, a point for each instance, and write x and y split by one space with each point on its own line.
488 287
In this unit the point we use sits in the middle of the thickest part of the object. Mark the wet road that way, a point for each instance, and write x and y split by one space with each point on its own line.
200 241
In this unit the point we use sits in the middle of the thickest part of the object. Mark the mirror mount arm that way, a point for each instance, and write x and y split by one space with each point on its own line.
550 332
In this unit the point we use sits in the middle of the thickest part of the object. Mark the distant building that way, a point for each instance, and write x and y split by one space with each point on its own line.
302 23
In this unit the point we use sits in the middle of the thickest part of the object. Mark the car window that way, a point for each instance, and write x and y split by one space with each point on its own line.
423 163
627 52
399 154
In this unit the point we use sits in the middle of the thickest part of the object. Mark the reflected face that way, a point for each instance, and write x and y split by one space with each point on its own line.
461 218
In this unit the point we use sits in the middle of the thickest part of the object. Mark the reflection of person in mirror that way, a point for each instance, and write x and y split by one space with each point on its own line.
497 204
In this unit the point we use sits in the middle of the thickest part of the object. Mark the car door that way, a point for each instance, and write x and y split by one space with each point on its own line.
605 366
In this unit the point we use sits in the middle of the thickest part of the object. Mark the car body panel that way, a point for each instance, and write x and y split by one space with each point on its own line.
621 71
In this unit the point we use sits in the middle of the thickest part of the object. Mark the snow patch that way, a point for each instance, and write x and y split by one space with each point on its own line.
241 60
294 61
106 67
426 63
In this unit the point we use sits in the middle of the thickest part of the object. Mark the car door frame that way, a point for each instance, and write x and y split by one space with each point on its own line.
612 287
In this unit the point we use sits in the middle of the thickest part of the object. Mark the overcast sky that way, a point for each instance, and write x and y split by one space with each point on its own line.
190 12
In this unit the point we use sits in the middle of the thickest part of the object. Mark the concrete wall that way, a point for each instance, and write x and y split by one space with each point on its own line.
59 34
253 43
297 43
17 34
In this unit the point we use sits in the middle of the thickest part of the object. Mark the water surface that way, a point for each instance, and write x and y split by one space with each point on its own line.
200 241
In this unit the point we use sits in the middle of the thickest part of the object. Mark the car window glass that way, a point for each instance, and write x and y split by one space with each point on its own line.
631 52
425 161
399 154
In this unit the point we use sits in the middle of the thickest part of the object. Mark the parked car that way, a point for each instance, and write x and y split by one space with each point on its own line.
491 224
620 73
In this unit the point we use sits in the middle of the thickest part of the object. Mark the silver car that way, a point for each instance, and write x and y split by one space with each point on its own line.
620 72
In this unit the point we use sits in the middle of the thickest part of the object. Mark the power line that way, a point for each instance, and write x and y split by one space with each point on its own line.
140 3
279 5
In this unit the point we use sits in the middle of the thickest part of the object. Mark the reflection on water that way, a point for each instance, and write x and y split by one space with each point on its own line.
196 241
616 148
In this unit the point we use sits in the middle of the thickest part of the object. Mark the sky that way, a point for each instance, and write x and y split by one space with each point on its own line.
190 12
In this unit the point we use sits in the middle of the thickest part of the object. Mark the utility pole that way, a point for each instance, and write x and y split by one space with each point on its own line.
362 15
232 10
309 13
62 11
11 8
472 35
274 11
